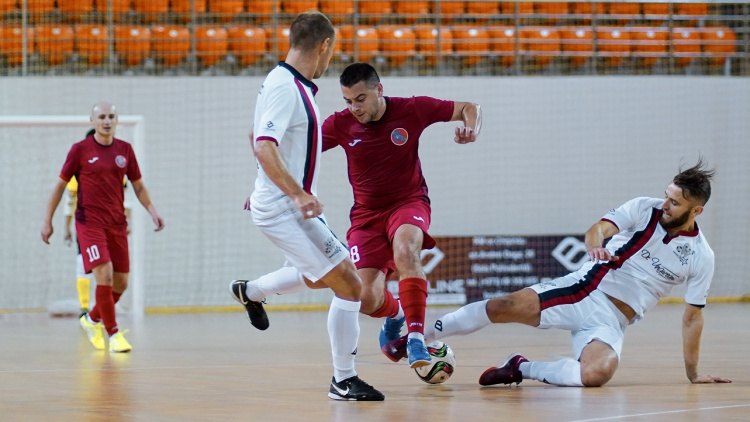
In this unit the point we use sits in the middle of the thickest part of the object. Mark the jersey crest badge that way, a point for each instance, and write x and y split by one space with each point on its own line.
399 136
684 252
121 161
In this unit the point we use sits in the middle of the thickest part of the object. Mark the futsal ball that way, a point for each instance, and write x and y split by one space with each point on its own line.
441 366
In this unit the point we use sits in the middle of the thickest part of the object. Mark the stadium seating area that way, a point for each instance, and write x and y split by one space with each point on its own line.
476 37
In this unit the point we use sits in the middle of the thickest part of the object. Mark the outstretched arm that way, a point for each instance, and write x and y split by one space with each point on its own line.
594 240
692 327
145 199
52 203
471 115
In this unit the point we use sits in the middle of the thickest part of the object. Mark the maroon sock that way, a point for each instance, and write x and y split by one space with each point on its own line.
412 293
116 296
105 305
389 308
95 315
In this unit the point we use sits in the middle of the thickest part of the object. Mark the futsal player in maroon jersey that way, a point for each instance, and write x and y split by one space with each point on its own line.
99 163
391 213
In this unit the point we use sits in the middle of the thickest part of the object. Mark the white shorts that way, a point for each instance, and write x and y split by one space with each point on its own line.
592 316
308 245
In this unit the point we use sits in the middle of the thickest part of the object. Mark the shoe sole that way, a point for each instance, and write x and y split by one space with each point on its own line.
339 398
419 363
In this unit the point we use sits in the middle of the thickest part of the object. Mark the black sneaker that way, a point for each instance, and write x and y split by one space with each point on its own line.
354 389
255 311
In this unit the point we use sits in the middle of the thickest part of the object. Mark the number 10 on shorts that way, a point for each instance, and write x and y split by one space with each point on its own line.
93 252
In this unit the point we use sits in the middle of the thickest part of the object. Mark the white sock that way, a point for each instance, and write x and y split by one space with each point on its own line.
400 313
343 331
565 372
416 335
464 320
285 280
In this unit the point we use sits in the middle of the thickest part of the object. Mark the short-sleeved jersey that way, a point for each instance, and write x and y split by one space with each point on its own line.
99 170
651 262
286 114
383 156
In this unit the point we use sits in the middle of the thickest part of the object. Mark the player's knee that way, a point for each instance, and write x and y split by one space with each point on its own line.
599 373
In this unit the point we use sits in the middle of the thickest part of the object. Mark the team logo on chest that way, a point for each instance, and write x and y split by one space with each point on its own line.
684 252
121 161
399 136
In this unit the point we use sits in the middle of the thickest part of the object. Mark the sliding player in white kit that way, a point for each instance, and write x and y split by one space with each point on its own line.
655 244
287 145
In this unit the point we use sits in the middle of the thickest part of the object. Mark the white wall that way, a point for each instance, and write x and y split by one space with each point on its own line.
554 155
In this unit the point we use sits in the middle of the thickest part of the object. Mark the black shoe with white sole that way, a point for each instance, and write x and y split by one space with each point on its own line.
354 389
255 311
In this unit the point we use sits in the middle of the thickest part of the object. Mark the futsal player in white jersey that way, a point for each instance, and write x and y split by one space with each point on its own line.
287 142
655 244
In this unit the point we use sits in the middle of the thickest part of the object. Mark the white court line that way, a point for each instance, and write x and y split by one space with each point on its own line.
609 418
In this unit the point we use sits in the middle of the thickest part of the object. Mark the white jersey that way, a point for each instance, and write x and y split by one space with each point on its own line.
286 113
651 262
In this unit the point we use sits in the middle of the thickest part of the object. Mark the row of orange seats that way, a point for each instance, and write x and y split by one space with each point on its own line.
172 43
154 8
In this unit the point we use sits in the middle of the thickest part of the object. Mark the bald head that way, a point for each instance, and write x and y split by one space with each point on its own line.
104 119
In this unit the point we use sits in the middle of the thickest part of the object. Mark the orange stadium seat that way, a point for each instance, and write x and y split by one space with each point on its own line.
7 6
658 11
247 43
39 10
503 43
649 44
92 42
577 43
278 41
397 43
261 10
295 7
337 11
170 43
151 9
719 43
211 44
697 11
482 7
375 10
687 45
132 43
409 10
11 44
226 9
54 42
541 43
470 43
75 9
584 8
623 12
183 7
450 9
613 44
553 10
427 42
119 7
361 46
509 8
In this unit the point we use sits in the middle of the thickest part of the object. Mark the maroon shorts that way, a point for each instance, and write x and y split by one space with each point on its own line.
370 236
100 245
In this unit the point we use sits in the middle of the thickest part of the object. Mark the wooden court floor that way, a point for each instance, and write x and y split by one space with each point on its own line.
216 367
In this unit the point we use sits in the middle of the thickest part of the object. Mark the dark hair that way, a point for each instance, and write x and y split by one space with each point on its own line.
358 72
695 182
309 30
90 132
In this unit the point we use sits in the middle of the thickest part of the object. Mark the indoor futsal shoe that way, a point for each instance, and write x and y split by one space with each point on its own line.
418 355
391 330
255 311
395 350
507 373
93 330
118 343
354 389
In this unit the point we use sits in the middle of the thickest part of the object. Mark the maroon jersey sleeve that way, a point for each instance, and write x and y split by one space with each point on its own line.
72 163
134 171
329 133
431 110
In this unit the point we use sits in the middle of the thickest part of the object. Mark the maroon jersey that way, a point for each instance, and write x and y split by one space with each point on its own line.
99 170
382 156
